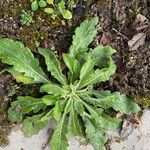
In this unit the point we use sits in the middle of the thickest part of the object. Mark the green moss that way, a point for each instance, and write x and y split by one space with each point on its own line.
30 35
144 101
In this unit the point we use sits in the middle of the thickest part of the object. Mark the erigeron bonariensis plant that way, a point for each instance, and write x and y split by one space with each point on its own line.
69 94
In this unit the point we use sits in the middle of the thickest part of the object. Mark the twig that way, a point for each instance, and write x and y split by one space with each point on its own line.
120 34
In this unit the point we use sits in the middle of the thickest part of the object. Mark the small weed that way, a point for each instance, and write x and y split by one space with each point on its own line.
54 8
26 18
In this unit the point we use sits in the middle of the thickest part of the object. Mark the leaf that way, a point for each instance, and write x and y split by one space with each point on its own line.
74 127
57 111
50 1
59 139
105 122
32 125
87 67
53 65
20 77
49 100
14 53
34 5
62 9
49 10
120 102
117 101
137 41
73 65
84 35
100 75
105 39
96 137
22 106
48 116
102 55
42 3
53 89
79 108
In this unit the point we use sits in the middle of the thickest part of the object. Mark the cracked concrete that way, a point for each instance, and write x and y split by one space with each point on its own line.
130 138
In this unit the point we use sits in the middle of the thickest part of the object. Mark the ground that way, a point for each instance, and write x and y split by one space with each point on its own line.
125 25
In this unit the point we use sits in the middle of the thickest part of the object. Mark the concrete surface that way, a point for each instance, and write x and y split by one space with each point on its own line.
130 138
135 138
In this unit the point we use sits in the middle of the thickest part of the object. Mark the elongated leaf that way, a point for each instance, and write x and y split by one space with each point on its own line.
22 106
53 89
100 75
14 53
49 99
74 127
117 101
59 139
102 55
72 63
20 77
32 125
95 136
84 35
120 102
79 108
57 110
87 67
48 116
105 122
53 65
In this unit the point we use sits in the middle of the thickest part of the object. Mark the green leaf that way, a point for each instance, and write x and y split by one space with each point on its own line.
87 67
49 100
84 35
53 65
102 55
79 108
95 136
74 127
34 5
20 77
42 3
100 75
48 116
73 65
22 106
49 10
14 53
53 89
59 139
50 1
105 122
32 125
119 102
62 9
57 111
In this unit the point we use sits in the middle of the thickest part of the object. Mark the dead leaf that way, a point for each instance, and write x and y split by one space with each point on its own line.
140 23
105 39
137 41
127 129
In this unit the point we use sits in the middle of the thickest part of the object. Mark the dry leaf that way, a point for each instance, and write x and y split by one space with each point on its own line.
140 22
105 39
136 41
127 129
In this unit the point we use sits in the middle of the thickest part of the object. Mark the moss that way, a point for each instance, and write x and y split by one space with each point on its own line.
144 101
30 35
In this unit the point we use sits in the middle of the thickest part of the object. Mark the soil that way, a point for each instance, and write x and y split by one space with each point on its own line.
116 28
